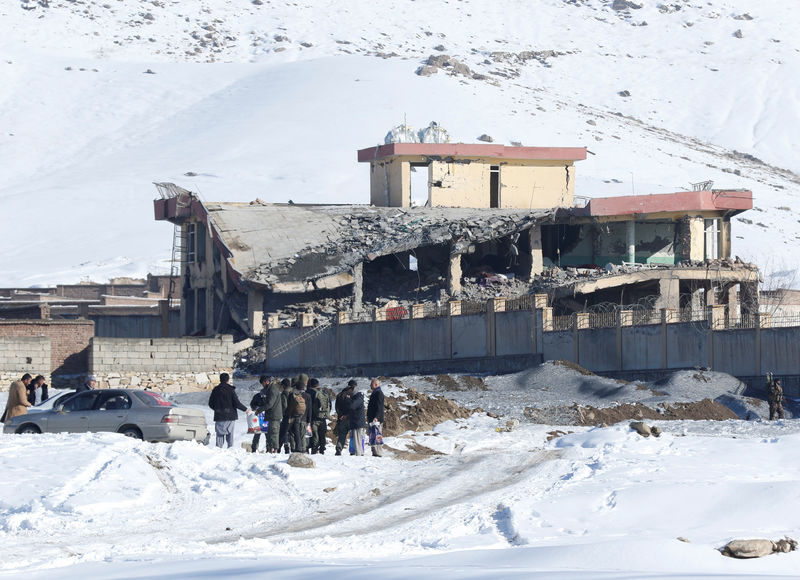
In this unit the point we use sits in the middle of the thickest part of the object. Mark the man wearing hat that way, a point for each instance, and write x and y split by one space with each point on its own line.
342 422
91 383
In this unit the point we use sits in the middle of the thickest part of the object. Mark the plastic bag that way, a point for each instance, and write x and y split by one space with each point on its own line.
253 425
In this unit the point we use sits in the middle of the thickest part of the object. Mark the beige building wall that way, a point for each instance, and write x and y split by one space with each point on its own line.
390 179
524 184
536 185
459 184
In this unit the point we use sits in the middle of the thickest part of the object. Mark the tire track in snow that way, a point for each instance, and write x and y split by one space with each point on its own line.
460 482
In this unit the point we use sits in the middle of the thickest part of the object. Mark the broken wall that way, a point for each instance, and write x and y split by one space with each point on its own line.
523 184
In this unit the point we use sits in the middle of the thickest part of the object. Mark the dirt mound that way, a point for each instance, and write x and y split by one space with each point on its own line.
588 415
417 411
462 383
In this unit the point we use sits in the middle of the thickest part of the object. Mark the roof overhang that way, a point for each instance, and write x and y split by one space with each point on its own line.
668 205
472 150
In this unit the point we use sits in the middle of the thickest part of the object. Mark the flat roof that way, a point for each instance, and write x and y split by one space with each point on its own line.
472 150
725 200
271 243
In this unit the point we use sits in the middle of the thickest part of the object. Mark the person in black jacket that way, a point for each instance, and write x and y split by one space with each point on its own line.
224 401
268 401
358 423
375 417
342 422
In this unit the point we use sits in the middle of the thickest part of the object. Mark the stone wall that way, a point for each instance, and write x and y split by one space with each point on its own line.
20 355
164 364
69 342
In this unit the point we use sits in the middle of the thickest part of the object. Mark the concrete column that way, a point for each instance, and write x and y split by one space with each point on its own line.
708 239
358 288
547 319
497 304
540 301
342 318
664 320
630 230
255 312
626 317
582 320
454 275
417 311
273 321
537 258
305 320
696 239
717 317
748 296
163 309
668 293
698 298
454 308
724 238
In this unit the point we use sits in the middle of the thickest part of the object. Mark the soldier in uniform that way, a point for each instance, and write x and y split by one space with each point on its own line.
774 397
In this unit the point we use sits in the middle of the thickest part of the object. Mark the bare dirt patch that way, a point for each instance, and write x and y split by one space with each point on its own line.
414 452
419 412
463 383
588 415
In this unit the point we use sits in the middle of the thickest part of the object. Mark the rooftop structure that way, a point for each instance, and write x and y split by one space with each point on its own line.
472 175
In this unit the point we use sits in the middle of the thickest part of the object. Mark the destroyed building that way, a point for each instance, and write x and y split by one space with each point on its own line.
490 221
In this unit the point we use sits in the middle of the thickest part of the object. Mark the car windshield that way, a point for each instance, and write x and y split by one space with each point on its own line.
151 399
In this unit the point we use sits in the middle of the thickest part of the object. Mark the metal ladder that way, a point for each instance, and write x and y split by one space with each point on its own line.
300 339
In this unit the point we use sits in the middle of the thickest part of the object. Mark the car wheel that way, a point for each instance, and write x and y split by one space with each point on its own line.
29 430
131 432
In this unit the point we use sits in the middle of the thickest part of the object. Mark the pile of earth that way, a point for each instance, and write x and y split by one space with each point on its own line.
563 393
415 411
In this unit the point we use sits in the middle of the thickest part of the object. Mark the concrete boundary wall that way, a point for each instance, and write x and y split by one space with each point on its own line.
23 354
172 364
500 341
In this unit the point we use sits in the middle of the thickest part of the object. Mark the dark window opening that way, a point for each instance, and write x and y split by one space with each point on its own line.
494 186
200 243
191 242
558 240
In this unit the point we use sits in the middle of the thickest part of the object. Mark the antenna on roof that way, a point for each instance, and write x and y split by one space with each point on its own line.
703 185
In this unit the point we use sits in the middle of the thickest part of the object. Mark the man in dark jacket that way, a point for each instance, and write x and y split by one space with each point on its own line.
286 391
375 417
224 401
300 415
358 423
342 422
268 401
35 384
320 413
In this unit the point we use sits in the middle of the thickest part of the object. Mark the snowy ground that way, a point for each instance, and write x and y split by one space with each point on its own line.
597 502
244 96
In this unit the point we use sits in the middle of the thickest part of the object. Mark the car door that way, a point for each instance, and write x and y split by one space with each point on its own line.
73 415
110 411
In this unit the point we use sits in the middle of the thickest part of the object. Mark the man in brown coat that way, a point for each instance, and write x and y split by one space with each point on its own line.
17 403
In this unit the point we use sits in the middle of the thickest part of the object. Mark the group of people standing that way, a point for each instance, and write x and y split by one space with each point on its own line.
296 413
22 394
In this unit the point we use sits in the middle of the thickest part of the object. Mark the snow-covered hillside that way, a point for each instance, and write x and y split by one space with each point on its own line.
268 99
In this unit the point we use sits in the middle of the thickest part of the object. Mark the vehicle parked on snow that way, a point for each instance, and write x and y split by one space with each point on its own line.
131 412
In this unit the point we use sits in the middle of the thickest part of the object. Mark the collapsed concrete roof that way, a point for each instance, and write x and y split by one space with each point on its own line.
297 248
